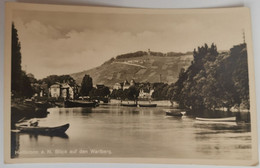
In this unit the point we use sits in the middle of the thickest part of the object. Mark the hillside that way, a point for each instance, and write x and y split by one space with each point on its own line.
141 68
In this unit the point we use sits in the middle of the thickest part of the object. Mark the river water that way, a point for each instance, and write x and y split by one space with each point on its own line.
115 131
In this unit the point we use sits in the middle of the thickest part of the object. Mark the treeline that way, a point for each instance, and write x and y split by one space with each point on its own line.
174 54
153 53
131 93
161 91
131 55
169 54
52 79
214 80
87 89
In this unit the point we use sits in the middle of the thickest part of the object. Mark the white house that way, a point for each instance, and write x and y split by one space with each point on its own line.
66 91
63 90
55 90
117 86
145 95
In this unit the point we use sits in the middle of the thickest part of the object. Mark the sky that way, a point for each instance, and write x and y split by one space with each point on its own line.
68 42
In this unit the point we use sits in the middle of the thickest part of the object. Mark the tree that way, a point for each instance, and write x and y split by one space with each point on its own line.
214 80
238 65
26 86
16 70
52 79
68 79
104 91
117 94
160 91
20 82
86 85
100 92
132 93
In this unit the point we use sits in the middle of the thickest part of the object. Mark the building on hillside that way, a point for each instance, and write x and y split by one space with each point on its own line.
126 85
63 90
66 91
117 86
99 86
145 95
132 82
149 52
55 90
44 91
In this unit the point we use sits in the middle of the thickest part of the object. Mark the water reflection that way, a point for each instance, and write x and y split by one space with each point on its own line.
138 132
15 144
35 136
35 141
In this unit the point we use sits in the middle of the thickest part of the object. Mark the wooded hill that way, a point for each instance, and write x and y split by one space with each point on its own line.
214 80
140 66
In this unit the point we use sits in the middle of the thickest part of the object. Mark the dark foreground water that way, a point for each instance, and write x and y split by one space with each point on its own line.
114 131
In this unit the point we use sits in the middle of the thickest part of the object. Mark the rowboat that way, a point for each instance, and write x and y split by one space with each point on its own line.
129 105
215 123
174 114
79 103
43 130
226 119
147 105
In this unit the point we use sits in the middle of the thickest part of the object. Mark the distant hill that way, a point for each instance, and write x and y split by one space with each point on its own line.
140 66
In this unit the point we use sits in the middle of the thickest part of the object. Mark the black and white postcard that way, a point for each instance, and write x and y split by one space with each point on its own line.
126 85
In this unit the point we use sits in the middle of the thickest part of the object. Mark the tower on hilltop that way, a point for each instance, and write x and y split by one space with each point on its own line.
149 52
244 37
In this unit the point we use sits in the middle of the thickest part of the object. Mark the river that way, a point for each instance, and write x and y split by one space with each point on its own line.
115 131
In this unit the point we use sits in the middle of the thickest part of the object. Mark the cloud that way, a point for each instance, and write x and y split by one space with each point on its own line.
65 45
45 50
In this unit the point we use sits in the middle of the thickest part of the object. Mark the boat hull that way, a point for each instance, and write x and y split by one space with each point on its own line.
147 105
227 119
174 114
215 123
69 103
129 105
44 130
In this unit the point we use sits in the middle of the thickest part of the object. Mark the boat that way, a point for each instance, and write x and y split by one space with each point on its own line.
183 112
147 105
79 103
42 130
215 123
174 114
43 105
226 119
129 105
58 104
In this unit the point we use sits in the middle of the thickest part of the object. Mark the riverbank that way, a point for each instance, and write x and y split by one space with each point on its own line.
161 103
26 110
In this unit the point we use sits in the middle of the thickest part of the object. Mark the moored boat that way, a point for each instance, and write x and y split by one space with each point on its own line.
42 130
174 114
147 105
226 119
128 105
79 103
215 123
